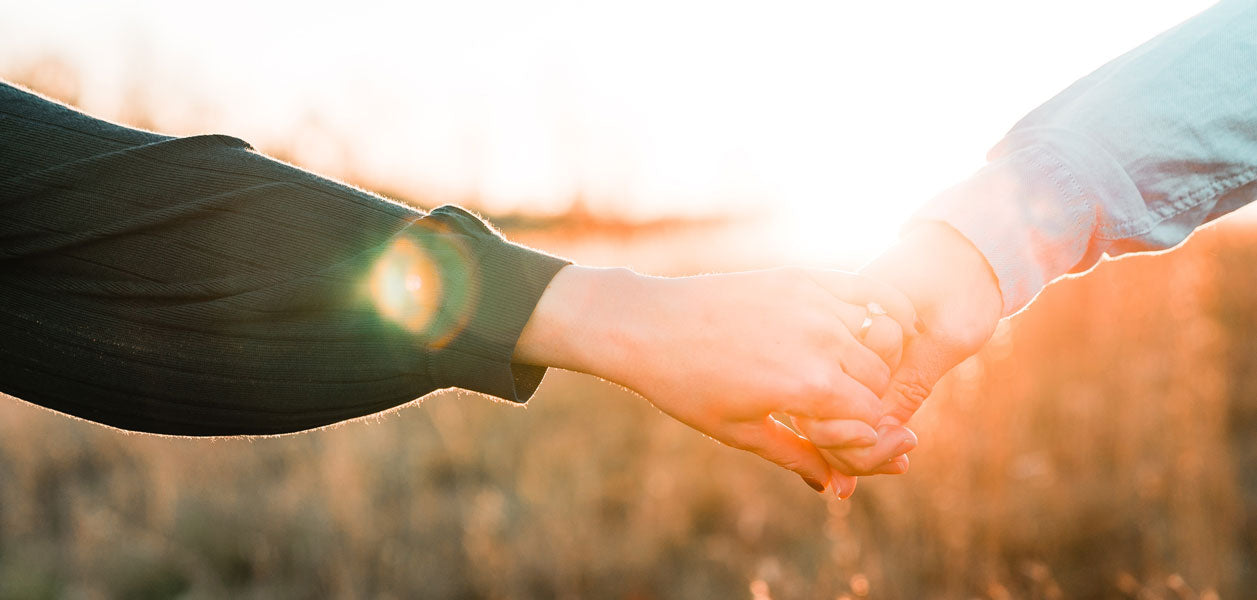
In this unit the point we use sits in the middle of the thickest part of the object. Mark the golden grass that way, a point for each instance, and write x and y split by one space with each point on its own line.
1102 446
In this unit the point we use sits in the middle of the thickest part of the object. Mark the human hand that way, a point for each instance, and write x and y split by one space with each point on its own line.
883 336
959 303
722 353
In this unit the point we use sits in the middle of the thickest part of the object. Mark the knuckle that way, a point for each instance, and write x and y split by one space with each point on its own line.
816 383
912 393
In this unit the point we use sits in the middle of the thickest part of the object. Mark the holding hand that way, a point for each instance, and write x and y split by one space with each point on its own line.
952 284
958 299
884 336
721 353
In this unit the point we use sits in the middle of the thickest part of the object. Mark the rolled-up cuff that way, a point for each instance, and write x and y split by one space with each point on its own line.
1028 214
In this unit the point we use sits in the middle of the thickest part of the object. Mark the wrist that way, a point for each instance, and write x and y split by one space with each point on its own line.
584 321
939 244
942 272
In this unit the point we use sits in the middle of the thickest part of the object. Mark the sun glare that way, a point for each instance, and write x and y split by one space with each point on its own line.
826 236
405 286
838 118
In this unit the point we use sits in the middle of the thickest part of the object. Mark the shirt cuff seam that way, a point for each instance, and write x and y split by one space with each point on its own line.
1181 204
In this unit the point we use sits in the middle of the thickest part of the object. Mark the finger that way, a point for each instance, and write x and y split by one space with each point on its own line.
892 441
865 367
914 380
828 434
885 338
896 466
869 352
858 289
777 443
858 360
842 485
841 397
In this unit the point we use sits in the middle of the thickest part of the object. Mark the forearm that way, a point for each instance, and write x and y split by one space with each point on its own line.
587 320
194 286
1131 158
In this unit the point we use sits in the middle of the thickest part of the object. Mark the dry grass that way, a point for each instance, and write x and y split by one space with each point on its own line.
1103 445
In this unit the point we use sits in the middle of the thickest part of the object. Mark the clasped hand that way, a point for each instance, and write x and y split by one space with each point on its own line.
737 356
727 353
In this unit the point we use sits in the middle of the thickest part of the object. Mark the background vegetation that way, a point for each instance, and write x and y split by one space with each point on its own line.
1103 445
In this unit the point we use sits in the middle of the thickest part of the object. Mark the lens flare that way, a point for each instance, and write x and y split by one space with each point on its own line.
425 284
406 286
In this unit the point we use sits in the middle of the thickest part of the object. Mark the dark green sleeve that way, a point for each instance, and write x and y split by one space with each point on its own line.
194 286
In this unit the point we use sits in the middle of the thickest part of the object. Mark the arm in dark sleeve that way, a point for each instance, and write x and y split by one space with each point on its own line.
194 286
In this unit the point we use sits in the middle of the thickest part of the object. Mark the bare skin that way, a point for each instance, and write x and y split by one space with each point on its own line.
722 353
959 303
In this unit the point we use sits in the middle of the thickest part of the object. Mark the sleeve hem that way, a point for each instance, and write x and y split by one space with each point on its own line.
509 280
1027 214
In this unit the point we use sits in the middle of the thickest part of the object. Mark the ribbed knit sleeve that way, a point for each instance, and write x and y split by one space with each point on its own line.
194 286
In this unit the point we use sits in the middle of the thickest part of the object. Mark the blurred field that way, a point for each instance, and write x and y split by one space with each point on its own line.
1104 445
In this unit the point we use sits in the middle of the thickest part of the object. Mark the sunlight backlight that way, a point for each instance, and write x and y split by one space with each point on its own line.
836 117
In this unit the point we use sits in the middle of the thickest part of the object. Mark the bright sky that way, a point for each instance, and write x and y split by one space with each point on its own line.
839 117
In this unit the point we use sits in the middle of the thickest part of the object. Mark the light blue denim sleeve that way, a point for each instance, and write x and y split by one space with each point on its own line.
1131 158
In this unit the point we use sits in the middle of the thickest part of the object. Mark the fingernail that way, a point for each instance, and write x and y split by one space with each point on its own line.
904 447
849 491
814 484
835 489
919 325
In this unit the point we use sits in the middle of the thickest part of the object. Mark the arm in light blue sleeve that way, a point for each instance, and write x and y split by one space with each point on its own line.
1131 158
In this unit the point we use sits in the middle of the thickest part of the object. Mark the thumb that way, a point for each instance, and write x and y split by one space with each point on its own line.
925 361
